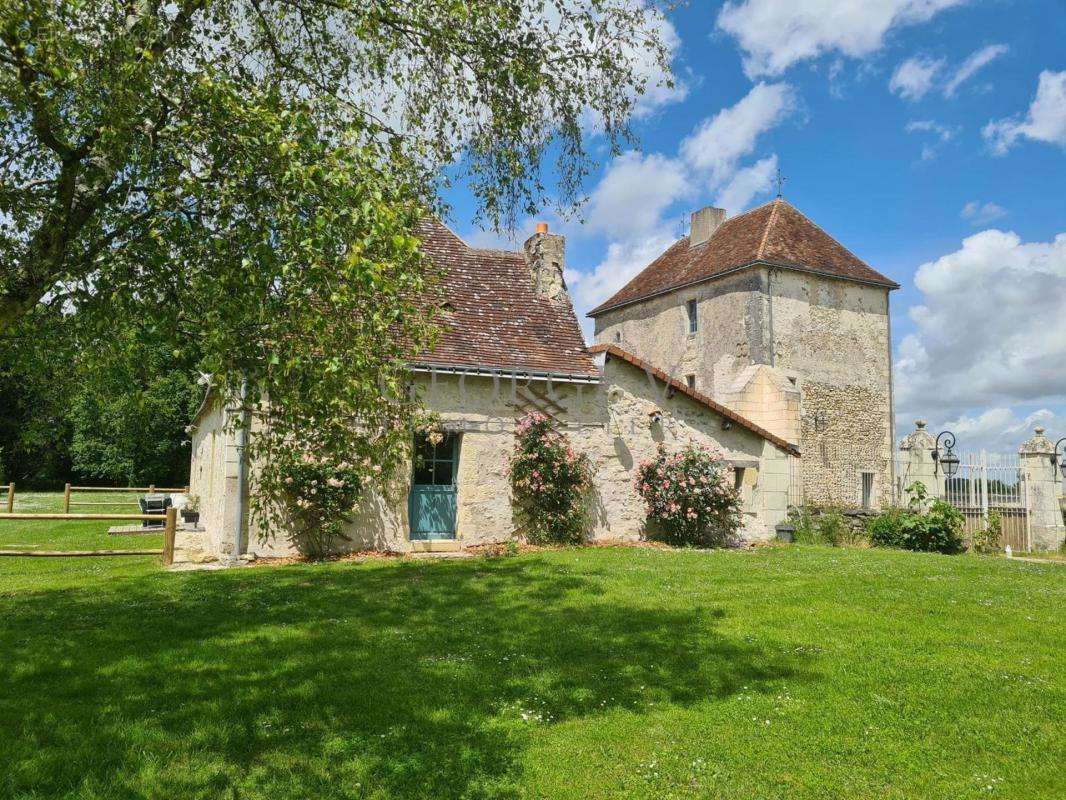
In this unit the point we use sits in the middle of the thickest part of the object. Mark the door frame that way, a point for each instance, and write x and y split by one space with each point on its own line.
452 489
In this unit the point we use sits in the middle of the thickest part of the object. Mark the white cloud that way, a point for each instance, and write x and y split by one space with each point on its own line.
632 202
746 184
979 214
658 93
998 430
623 260
943 133
913 79
718 143
1045 122
990 330
977 61
634 192
776 35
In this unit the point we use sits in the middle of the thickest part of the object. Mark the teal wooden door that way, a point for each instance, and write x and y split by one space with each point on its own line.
431 504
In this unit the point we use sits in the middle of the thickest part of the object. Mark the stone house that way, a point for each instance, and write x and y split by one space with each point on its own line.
769 315
510 342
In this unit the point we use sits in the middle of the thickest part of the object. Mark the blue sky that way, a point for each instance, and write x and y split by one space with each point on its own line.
928 136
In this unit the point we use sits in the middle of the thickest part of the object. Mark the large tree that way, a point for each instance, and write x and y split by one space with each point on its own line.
243 176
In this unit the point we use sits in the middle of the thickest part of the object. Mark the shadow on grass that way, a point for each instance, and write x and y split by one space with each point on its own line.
410 680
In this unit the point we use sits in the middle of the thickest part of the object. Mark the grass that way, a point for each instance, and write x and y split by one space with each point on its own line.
798 672
87 535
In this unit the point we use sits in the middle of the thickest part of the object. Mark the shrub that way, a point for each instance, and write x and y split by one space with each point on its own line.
988 539
319 497
689 497
886 529
925 527
550 483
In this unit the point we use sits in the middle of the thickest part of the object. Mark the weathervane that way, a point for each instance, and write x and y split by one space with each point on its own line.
780 181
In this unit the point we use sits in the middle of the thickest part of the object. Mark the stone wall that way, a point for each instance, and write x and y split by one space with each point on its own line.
610 422
731 324
825 383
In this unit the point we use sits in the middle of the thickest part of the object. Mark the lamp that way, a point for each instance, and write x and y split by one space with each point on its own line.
1055 459
948 460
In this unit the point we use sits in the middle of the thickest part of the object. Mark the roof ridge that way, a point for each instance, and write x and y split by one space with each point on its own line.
769 224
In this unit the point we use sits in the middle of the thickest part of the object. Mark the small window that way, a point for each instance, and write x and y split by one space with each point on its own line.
618 336
690 381
867 490
693 316
738 478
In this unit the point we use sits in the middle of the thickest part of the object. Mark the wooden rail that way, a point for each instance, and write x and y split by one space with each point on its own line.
169 520
151 489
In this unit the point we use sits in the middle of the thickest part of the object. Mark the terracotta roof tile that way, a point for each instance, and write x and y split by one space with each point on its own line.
615 351
495 319
775 234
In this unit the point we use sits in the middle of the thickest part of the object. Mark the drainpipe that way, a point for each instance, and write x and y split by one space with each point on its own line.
239 541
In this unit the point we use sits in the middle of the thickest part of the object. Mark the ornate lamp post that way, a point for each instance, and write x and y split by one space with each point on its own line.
948 460
1056 459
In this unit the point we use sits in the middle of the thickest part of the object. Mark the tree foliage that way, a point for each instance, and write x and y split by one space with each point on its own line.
242 177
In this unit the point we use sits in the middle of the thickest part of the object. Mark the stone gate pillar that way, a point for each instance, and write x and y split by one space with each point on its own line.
1044 488
916 462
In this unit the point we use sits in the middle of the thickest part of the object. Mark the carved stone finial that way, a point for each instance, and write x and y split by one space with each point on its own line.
919 423
1037 444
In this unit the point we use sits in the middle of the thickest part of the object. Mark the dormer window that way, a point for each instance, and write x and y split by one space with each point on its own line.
692 309
447 307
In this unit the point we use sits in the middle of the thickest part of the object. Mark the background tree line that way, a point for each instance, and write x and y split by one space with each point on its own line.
93 410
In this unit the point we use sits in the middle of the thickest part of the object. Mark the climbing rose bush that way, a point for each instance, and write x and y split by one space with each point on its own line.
689 496
319 496
550 483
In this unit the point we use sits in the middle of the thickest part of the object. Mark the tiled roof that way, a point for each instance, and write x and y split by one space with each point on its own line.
495 319
775 234
615 351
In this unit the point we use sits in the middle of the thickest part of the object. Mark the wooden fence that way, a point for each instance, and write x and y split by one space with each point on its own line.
169 520
152 489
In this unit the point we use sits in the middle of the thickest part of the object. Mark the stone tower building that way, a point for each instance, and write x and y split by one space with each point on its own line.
772 317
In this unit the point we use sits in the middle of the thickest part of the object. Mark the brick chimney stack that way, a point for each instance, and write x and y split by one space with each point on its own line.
544 256
704 223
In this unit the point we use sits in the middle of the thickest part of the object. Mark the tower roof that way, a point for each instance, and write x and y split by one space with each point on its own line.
775 234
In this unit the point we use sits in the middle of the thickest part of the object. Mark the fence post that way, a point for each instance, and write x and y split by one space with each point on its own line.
984 486
168 536
11 498
66 499
1043 485
916 459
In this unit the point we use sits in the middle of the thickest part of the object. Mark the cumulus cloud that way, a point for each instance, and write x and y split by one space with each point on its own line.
746 183
718 143
634 192
658 90
1045 122
979 214
998 430
913 79
977 61
990 330
623 260
776 35
632 202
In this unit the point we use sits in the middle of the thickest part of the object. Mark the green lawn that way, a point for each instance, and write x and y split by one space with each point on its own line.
799 672
91 535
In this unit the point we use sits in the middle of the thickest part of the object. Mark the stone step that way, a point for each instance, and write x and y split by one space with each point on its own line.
435 546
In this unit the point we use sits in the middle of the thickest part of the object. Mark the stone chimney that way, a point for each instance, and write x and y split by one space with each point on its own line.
544 256
704 223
